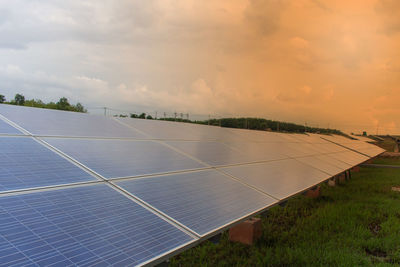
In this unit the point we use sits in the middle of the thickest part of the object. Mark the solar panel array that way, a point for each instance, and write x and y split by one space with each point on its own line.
79 189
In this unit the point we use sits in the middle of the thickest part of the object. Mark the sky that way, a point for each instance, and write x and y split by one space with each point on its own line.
328 63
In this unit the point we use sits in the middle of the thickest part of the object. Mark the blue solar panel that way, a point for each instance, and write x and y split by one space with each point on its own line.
81 226
281 179
216 153
24 163
6 128
63 123
122 158
203 201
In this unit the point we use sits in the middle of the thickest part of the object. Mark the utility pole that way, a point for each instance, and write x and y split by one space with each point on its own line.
165 115
105 111
156 115
175 115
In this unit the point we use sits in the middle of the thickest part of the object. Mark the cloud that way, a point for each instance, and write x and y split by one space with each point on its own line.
264 15
389 10
288 60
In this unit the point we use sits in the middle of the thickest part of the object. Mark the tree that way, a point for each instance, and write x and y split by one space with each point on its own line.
133 115
142 116
2 99
63 103
80 108
149 117
19 99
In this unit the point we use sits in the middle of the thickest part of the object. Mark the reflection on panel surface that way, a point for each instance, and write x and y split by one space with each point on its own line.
217 153
280 179
63 123
202 201
122 158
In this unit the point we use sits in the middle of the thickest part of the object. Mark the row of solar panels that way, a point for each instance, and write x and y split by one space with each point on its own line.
131 192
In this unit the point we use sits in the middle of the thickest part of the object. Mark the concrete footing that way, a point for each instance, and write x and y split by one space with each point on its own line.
246 232
355 169
314 192
333 181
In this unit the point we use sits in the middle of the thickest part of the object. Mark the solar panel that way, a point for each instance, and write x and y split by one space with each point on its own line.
321 164
27 164
338 163
123 158
203 201
264 151
6 128
63 123
216 153
168 130
359 146
259 136
350 157
280 179
82 226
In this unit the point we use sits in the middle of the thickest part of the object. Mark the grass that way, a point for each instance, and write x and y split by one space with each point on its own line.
386 161
353 224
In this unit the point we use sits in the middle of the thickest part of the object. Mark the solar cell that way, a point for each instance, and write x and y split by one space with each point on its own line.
6 128
280 179
203 201
26 164
63 123
82 226
123 158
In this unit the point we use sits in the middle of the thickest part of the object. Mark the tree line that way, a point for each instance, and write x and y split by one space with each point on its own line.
62 104
242 123
248 123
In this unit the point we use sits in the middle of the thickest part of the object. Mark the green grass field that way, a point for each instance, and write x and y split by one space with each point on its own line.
386 161
354 224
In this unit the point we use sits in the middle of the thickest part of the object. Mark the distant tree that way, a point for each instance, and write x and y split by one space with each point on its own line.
132 115
2 99
63 104
19 99
80 108
149 117
142 116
